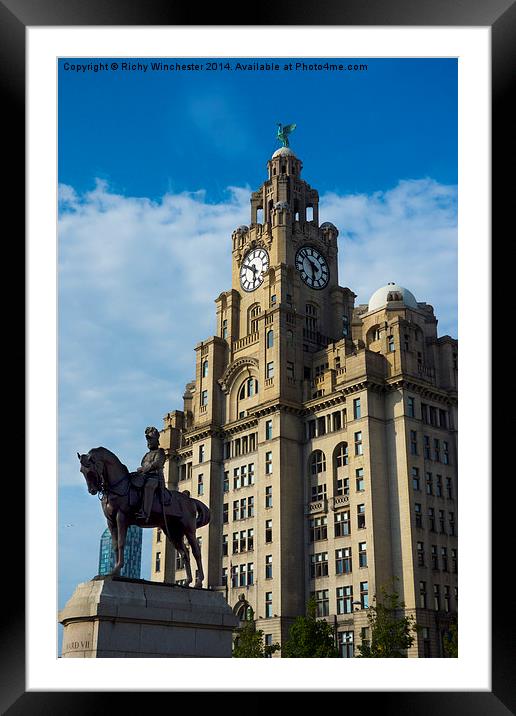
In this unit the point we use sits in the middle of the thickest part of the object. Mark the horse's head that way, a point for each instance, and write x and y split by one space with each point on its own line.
93 470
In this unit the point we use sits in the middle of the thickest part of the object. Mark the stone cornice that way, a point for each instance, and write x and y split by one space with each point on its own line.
425 390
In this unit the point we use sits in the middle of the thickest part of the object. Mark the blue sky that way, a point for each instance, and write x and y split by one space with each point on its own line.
155 171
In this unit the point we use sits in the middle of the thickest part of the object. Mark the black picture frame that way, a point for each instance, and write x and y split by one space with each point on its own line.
500 16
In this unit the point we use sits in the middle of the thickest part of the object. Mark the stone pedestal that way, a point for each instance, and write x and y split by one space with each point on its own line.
121 617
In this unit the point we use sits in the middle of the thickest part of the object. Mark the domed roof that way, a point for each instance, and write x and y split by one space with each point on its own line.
283 152
391 292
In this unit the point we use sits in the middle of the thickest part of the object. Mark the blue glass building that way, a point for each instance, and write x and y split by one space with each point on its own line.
132 553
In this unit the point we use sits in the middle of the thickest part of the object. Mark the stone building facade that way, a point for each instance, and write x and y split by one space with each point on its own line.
322 435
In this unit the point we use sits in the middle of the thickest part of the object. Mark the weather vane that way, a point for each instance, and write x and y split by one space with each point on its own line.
283 133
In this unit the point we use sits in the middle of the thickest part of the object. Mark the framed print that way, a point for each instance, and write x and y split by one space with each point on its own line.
141 170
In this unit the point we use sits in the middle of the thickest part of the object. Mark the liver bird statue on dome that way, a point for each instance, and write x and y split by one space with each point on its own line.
283 133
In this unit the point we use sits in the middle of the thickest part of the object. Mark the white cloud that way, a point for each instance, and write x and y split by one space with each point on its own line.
138 279
407 235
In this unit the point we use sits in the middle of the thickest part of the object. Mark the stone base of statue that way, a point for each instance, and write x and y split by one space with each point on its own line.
121 617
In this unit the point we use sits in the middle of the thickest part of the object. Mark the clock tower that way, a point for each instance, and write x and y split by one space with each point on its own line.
301 428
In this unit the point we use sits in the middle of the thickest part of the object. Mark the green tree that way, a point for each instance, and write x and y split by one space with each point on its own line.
310 637
390 630
249 643
451 642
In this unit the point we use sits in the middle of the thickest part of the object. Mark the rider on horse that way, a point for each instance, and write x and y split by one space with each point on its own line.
152 470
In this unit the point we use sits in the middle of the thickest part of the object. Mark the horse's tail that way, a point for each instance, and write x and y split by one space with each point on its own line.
203 513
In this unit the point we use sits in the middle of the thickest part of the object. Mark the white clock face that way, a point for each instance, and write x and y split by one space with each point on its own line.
254 267
312 266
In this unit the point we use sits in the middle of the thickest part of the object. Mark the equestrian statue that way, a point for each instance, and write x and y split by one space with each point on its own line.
141 498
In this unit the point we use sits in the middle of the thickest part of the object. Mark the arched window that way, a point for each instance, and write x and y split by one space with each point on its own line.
317 462
205 369
311 317
270 338
341 455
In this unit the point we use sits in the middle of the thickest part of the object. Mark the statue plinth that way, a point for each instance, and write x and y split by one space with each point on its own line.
121 617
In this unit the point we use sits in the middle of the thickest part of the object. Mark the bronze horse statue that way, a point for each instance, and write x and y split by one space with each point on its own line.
177 514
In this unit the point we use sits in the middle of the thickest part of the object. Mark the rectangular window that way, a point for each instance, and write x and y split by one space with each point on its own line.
431 519
204 397
250 540
361 517
243 476
157 563
290 369
429 484
442 527
421 554
362 554
225 328
243 575
342 487
269 373
418 514
437 597
227 450
427 653
437 450
446 453
435 559
235 543
268 429
345 644
322 603
446 598
360 479
342 524
319 565
364 595
268 463
250 469
158 535
451 523
268 566
413 442
411 407
224 545
202 453
444 559
424 413
200 485
358 443
415 478
225 513
356 408
268 496
454 560
318 528
243 541
268 531
225 484
343 560
236 510
224 580
443 418
234 576
336 421
318 492
427 452
268 604
250 507
236 478
449 493
390 344
439 485
321 426
250 574
422 595
345 600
